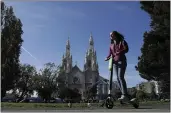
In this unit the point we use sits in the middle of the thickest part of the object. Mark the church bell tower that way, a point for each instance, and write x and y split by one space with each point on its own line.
90 61
67 58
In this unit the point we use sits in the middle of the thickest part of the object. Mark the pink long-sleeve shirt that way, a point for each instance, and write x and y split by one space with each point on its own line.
122 48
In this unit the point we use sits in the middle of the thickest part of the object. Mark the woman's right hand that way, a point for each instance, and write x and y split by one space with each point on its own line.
106 59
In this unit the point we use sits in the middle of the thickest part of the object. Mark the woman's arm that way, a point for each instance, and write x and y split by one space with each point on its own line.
125 48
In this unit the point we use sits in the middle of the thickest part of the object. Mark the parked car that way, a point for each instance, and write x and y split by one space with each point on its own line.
8 99
56 100
34 99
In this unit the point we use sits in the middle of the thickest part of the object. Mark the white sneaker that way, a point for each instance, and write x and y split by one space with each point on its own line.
108 97
133 100
123 98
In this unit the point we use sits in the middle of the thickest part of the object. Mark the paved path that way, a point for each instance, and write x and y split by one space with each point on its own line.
142 108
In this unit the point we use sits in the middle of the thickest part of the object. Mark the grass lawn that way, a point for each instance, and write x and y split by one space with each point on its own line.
5 105
41 105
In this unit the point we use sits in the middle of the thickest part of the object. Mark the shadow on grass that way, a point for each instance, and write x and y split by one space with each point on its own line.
144 108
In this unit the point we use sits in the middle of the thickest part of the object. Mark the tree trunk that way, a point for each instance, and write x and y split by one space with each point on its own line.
22 95
3 93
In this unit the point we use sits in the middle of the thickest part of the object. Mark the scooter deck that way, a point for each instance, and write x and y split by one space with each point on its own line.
134 102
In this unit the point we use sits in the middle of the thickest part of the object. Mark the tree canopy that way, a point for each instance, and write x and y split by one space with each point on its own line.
25 83
46 82
154 63
11 32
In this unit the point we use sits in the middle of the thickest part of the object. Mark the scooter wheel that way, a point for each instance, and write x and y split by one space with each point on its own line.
136 106
121 103
109 103
135 103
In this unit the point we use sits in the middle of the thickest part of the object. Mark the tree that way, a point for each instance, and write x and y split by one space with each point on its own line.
133 92
25 82
46 82
91 92
69 94
154 63
11 32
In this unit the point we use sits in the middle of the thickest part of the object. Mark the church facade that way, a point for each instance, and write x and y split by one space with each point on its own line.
82 80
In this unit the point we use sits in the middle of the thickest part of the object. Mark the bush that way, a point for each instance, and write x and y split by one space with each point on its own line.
140 95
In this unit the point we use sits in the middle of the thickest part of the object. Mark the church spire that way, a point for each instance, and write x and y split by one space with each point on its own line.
68 44
68 48
68 57
63 57
91 42
90 57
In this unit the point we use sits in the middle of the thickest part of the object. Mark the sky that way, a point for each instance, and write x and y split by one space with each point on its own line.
47 26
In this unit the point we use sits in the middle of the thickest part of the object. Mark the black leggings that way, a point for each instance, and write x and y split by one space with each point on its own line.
120 68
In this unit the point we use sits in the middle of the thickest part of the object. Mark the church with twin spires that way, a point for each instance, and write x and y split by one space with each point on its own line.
81 80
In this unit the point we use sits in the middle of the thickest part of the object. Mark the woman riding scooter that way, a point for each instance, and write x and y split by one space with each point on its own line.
118 48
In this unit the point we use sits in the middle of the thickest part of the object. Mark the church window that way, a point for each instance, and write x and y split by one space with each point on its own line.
75 80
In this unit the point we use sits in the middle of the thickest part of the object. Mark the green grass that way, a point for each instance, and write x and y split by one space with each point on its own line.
6 105
41 105
154 102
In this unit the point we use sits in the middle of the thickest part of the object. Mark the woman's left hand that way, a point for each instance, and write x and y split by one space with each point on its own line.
106 59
